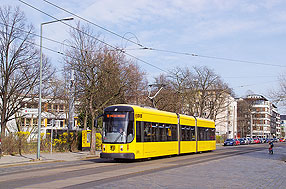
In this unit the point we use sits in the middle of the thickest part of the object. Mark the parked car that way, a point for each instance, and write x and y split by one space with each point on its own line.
251 141
248 141
256 140
229 142
237 142
242 141
275 140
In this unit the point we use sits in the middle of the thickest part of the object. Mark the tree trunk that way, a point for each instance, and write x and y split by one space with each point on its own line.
85 121
3 129
93 129
93 138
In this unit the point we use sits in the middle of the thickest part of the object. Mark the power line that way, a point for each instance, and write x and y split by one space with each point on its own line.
49 39
241 77
257 83
160 50
107 44
93 23
168 51
212 57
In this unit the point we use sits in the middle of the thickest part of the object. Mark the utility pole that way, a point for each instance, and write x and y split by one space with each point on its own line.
71 109
251 126
71 102
52 133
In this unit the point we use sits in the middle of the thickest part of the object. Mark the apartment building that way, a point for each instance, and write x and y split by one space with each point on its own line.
258 117
283 125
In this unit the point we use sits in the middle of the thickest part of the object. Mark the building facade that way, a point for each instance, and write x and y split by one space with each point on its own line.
283 125
54 115
258 117
226 120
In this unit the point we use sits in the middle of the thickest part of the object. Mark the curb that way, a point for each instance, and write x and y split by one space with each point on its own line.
33 162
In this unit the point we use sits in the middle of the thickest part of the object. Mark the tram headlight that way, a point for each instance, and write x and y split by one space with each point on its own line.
103 147
121 148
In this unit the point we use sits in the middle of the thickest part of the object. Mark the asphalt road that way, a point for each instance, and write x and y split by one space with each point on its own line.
226 167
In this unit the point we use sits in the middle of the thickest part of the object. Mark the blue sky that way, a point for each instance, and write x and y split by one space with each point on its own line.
252 30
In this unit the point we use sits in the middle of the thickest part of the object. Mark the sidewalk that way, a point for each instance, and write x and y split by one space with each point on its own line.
8 160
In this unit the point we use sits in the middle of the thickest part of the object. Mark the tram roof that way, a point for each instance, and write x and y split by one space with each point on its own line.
150 109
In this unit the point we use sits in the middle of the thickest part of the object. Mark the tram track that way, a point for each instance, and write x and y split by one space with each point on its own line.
172 164
96 171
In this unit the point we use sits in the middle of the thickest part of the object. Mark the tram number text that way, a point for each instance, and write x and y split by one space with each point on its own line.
138 116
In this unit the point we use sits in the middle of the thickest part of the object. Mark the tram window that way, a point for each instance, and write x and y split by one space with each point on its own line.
193 134
155 132
130 131
168 132
207 134
188 134
147 132
200 133
183 133
212 135
139 124
204 131
174 132
162 132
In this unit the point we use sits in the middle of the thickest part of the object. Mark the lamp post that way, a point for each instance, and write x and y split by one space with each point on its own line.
40 87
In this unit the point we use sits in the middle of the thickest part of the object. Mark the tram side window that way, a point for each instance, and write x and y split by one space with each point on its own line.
201 133
183 133
162 132
168 132
188 133
174 132
147 132
155 132
206 133
139 137
212 134
193 133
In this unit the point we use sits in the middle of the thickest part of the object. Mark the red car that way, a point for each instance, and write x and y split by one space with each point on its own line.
256 140
237 142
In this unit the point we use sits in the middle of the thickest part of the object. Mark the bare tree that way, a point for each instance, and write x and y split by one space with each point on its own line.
198 92
103 76
19 63
279 96
244 109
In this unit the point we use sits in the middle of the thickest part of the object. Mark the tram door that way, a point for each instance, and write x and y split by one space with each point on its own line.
139 151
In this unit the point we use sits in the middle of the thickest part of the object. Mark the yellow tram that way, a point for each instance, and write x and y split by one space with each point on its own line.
134 132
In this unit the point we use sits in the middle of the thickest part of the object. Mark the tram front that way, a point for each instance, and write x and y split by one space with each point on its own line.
118 132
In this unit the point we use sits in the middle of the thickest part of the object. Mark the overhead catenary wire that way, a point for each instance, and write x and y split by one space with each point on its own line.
64 54
49 49
161 50
101 41
154 49
78 59
211 57
49 39
97 25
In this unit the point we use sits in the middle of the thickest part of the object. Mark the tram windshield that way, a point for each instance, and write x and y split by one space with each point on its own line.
117 127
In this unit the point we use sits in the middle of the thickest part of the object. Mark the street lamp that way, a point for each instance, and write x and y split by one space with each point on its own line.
40 87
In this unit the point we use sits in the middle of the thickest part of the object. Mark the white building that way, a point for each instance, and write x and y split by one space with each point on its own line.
226 121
